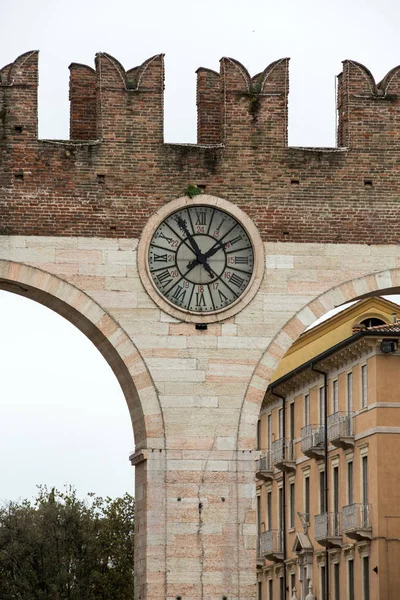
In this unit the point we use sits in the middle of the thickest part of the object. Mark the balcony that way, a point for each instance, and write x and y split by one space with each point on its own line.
327 530
356 521
272 545
264 469
282 452
313 441
340 430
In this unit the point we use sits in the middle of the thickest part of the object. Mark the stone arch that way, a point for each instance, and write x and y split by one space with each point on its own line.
383 282
106 334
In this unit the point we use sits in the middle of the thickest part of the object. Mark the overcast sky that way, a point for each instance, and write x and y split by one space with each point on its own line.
41 440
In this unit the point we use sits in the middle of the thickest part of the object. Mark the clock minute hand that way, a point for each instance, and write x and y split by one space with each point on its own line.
202 258
199 260
193 243
208 269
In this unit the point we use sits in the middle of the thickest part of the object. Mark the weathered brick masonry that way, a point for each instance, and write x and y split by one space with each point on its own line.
116 170
71 218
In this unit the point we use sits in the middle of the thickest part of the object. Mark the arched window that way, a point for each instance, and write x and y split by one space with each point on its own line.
372 322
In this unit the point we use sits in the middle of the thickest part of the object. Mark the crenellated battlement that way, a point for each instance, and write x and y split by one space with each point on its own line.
116 170
110 103
83 102
130 103
114 104
369 112
18 97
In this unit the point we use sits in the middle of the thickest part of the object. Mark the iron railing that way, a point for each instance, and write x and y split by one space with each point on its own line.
264 463
259 553
282 450
340 425
327 525
312 437
272 542
356 516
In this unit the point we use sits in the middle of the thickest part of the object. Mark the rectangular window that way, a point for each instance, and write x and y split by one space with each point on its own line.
259 434
281 589
349 393
322 406
292 505
350 495
269 432
280 508
306 409
336 489
259 595
269 510
336 580
270 589
365 480
350 579
335 396
323 582
292 584
304 582
336 499
307 497
280 423
259 516
364 386
291 420
365 562
322 492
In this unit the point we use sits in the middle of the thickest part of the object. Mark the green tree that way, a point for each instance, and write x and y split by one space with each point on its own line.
61 547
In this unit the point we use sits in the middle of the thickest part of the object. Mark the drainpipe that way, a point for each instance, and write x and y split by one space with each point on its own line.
325 375
283 492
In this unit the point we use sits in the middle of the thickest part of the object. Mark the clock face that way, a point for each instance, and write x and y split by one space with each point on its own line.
200 259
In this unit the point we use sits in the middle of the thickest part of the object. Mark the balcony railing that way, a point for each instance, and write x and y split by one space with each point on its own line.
340 429
327 531
313 441
356 521
272 544
282 452
260 558
264 468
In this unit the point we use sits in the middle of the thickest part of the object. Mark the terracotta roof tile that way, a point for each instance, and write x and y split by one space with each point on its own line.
392 328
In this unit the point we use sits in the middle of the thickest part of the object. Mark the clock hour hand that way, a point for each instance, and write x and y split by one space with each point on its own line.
182 226
202 258
193 263
214 249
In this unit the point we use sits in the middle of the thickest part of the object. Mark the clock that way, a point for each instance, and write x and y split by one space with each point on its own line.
200 258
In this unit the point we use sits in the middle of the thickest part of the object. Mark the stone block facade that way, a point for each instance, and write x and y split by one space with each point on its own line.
71 217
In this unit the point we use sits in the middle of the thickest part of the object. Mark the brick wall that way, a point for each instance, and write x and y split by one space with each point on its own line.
116 171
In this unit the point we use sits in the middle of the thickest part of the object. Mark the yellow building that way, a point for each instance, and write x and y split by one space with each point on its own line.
328 476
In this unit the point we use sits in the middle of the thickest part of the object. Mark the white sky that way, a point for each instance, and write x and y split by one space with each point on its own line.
41 440
64 418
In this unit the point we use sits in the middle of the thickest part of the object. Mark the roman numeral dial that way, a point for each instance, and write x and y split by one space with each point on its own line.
200 259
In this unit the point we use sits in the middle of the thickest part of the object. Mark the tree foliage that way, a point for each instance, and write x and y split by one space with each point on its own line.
61 547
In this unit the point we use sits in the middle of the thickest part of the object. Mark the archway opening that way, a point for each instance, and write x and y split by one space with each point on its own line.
64 416
125 361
